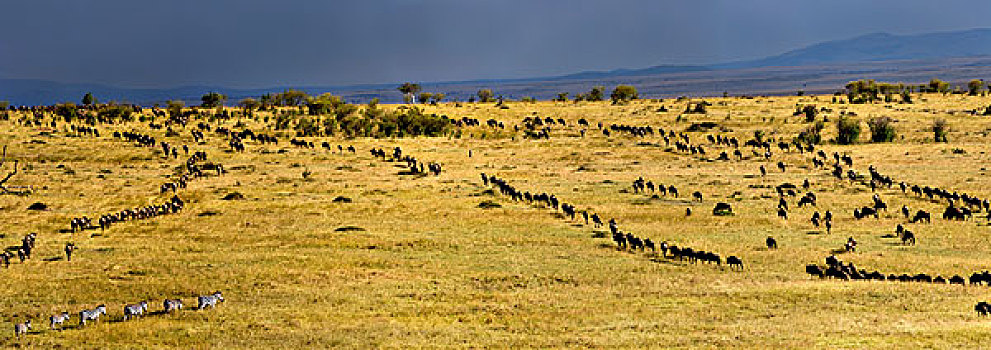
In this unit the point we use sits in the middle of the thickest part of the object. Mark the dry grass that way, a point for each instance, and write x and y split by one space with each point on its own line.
431 269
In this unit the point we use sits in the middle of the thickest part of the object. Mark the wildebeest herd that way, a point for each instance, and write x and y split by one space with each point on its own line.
623 240
960 206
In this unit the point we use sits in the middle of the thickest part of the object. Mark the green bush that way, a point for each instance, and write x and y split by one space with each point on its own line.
812 135
847 130
940 129
882 129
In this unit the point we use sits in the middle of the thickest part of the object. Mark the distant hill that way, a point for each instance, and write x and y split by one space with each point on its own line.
953 56
880 47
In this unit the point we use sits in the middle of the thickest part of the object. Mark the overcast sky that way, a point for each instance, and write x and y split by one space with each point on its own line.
249 43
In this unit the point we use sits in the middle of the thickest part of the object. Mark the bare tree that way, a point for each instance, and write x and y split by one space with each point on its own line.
3 182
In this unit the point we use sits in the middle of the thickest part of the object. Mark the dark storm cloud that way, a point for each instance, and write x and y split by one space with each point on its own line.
265 43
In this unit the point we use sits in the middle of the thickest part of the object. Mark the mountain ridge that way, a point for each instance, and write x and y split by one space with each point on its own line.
899 50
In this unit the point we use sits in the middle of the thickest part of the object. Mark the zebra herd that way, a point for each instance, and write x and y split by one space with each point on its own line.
130 312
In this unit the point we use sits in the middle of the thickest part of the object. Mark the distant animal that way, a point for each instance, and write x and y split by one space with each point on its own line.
771 243
58 319
982 308
814 270
92 314
697 196
908 237
205 301
170 305
733 261
135 310
22 328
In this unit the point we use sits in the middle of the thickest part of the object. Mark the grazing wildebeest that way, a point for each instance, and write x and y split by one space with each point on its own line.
851 245
135 310
905 212
814 270
732 261
649 244
211 300
697 195
688 211
771 243
170 305
782 213
957 279
58 319
763 171
922 215
22 328
69 248
982 308
908 237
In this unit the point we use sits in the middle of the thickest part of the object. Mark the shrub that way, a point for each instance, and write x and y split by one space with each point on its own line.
847 130
881 129
940 128
812 135
485 95
623 93
810 112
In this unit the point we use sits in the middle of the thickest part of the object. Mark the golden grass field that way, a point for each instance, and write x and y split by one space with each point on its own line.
431 269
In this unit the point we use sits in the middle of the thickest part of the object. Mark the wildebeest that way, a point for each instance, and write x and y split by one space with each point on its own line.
732 261
697 195
908 237
982 308
921 215
69 248
771 243
814 270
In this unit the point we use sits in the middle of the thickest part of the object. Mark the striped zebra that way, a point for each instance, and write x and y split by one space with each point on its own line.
172 305
209 300
58 319
134 310
22 328
92 315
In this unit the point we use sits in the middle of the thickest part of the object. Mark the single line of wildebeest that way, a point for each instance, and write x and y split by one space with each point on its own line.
624 241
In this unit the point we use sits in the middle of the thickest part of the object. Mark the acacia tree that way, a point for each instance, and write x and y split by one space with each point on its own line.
88 99
423 97
248 103
975 87
623 93
212 99
409 90
485 95
596 94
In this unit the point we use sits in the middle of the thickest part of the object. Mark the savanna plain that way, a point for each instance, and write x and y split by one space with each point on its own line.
320 247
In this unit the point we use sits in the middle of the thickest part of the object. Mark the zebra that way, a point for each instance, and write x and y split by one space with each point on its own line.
92 315
172 305
133 310
58 319
22 328
209 300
